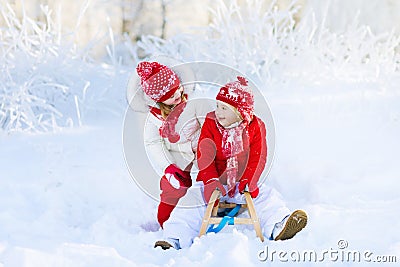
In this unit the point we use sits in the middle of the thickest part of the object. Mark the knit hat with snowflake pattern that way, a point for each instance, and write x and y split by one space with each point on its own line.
158 81
239 95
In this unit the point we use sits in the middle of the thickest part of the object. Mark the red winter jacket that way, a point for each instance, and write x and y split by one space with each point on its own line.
212 162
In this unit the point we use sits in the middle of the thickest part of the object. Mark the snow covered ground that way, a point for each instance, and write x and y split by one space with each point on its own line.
67 197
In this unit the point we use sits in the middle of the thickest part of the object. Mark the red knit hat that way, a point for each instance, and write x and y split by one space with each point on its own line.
239 95
158 81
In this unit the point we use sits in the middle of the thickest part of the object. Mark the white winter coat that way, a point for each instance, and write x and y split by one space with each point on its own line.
161 152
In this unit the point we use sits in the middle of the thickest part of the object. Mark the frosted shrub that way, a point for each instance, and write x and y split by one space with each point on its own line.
268 44
45 82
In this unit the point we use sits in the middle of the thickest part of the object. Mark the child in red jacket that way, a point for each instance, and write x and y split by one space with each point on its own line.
231 155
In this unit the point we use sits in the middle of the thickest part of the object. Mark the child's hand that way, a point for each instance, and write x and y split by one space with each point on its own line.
209 188
183 177
252 190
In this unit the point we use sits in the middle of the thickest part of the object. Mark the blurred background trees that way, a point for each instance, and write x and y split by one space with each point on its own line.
92 19
62 59
89 20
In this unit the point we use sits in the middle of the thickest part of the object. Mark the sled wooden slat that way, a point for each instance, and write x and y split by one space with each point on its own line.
210 215
225 205
253 215
207 214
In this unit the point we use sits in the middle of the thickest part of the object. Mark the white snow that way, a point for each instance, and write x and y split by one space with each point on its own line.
67 198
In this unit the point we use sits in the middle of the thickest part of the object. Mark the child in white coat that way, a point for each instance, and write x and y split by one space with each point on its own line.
231 156
171 132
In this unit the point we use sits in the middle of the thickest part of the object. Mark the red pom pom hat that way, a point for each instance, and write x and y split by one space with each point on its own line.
158 81
239 95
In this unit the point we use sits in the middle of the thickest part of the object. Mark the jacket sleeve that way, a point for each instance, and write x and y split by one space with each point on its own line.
159 155
257 154
206 152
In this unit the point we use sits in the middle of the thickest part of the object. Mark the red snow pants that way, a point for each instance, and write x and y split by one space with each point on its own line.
170 196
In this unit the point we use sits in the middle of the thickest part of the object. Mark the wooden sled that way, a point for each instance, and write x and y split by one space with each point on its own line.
210 215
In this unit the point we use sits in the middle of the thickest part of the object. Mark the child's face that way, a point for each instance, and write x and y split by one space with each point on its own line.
176 98
226 115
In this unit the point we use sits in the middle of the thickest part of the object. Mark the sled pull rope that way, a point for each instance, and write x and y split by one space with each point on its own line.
227 219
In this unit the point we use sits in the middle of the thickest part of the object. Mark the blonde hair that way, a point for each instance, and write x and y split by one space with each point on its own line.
235 110
167 109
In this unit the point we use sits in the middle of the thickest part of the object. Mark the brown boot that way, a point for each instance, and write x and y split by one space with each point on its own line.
163 244
290 226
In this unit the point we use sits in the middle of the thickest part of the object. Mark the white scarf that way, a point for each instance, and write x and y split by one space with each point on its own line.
232 145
